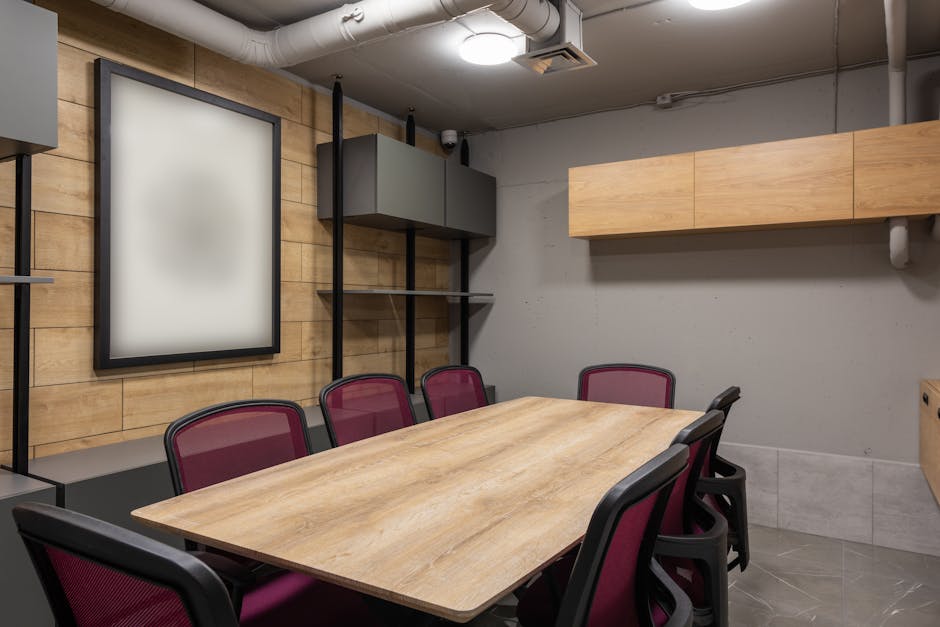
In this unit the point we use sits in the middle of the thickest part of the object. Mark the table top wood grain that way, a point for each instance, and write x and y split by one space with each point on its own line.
447 516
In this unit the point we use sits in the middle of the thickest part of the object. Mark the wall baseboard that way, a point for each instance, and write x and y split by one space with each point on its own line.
872 501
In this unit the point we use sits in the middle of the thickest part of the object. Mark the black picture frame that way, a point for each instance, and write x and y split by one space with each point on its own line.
103 357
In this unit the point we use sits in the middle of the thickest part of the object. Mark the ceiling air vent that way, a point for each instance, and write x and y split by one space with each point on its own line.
563 52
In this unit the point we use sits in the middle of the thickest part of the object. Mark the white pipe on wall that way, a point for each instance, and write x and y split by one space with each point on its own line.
898 242
326 33
896 34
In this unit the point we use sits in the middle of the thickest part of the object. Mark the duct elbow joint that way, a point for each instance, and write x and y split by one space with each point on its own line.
899 242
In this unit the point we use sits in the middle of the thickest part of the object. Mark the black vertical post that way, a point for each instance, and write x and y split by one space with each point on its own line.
337 228
410 313
465 277
24 177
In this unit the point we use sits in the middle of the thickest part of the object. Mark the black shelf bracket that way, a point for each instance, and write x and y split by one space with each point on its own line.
465 276
337 228
21 291
410 312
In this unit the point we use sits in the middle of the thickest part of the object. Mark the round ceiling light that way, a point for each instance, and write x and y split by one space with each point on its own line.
487 49
716 5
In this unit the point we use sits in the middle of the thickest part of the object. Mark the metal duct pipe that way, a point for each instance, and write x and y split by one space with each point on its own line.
538 19
326 33
896 32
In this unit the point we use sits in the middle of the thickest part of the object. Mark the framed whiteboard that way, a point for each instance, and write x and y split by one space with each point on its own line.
187 254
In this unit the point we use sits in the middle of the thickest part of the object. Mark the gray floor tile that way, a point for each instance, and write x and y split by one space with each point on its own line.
797 579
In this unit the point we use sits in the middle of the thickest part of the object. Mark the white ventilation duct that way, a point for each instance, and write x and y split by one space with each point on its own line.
320 35
896 31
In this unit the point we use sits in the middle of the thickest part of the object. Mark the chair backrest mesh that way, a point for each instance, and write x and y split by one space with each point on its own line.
674 518
615 597
237 440
99 596
627 384
453 390
360 408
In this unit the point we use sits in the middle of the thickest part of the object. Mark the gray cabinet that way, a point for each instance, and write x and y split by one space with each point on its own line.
387 184
470 209
28 53
391 185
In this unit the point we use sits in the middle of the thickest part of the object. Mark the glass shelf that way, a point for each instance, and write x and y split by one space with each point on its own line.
7 280
394 292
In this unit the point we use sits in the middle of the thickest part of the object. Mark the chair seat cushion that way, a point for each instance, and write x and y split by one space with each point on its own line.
538 606
290 599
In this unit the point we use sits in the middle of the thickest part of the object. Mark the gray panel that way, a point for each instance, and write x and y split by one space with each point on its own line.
29 115
21 598
386 184
471 201
325 181
409 182
113 497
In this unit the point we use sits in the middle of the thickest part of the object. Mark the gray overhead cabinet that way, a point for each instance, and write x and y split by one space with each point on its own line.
391 185
387 184
28 115
470 208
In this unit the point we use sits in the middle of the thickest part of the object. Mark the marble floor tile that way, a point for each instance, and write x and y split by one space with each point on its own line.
796 579
801 579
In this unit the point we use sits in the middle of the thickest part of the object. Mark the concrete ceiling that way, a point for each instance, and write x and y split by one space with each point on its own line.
643 48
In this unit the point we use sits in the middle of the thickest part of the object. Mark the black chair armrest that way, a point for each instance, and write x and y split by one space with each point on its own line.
671 597
731 487
724 468
236 577
696 546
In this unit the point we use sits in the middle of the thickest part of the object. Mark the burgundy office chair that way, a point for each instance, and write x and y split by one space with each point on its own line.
365 405
723 485
96 574
452 389
693 541
229 440
628 384
614 579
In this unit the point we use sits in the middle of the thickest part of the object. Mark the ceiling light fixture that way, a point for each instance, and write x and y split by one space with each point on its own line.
487 49
716 5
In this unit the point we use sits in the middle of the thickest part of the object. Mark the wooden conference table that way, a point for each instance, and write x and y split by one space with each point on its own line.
446 517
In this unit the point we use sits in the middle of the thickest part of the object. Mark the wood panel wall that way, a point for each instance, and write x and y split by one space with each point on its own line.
71 405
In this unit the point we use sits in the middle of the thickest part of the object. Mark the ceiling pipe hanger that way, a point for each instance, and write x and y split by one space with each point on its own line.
333 31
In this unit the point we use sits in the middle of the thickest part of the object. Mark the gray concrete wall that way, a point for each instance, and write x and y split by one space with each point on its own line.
827 341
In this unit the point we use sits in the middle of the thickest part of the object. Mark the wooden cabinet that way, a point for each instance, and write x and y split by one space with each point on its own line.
777 183
829 179
631 197
897 170
930 434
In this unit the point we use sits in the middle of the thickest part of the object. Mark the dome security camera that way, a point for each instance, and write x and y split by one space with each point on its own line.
449 139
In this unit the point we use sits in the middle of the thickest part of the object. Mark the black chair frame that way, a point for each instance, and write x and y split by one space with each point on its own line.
651 583
238 576
433 371
201 591
181 423
711 546
668 373
728 487
327 419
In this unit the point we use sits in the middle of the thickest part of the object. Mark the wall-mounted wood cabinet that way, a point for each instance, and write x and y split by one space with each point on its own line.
830 179
641 196
776 183
897 170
